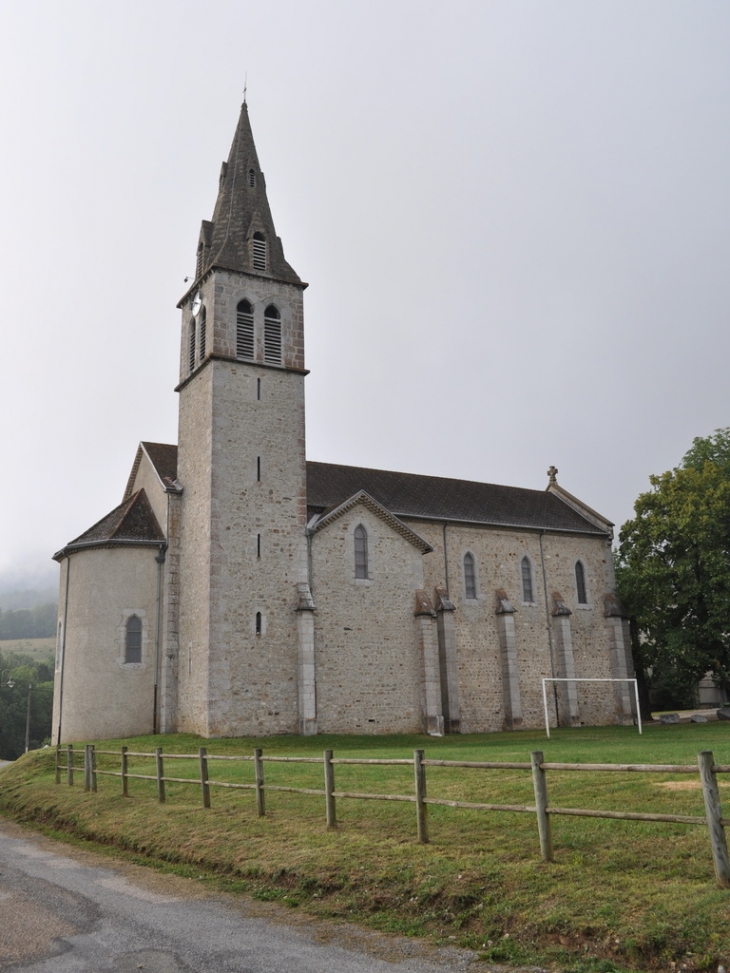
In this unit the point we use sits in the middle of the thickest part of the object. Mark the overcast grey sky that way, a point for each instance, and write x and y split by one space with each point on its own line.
514 216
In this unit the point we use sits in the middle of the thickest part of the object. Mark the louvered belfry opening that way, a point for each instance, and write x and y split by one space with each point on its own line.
191 346
201 334
259 251
272 335
244 331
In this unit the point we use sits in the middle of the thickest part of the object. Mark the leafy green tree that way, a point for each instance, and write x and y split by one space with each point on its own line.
28 623
20 679
673 571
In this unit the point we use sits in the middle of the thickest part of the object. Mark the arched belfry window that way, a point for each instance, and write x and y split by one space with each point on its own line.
252 178
191 346
244 330
470 577
199 261
580 583
272 335
528 591
361 552
201 334
133 640
259 251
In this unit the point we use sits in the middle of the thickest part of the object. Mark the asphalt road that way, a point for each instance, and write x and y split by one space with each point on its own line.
63 910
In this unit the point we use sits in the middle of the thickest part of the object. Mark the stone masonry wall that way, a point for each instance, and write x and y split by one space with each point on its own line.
194 472
259 552
243 544
498 555
102 696
366 638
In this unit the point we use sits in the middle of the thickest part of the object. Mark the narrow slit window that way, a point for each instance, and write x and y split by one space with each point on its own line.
59 646
470 578
258 389
259 623
258 468
201 334
361 552
244 331
272 335
258 545
199 261
528 593
191 346
259 251
580 583
133 640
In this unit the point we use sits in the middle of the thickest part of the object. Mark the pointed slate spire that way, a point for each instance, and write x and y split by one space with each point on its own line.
241 236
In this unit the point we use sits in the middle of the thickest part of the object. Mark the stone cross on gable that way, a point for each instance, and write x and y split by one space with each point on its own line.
553 474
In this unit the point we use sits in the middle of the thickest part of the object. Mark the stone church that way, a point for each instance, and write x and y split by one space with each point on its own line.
239 589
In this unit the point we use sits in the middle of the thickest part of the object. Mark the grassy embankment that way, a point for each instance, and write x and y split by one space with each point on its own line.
621 895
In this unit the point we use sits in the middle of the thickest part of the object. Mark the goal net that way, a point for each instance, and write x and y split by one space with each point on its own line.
548 679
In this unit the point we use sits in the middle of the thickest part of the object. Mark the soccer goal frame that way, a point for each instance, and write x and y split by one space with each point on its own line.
547 679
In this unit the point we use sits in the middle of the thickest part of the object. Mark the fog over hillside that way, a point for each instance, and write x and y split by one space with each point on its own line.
29 588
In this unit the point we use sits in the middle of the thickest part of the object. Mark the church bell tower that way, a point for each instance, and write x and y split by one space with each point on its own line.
241 465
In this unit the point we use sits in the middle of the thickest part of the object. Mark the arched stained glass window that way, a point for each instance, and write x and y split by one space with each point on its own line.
361 552
133 640
528 593
470 577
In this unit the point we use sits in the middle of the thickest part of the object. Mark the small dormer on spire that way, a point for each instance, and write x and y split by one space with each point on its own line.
241 236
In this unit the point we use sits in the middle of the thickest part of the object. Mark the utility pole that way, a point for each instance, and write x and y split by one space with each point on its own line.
27 720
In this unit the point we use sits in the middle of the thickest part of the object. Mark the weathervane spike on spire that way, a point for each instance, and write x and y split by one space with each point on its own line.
245 86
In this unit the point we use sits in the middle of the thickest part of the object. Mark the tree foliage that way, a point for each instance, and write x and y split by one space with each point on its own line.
22 672
28 623
673 568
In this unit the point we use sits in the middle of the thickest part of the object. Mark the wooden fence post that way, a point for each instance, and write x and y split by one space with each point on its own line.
421 807
70 764
92 768
58 764
713 811
125 771
160 775
329 789
87 767
203 754
541 802
259 770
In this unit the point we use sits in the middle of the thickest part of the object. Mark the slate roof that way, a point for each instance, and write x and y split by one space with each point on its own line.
240 210
164 460
440 498
411 495
132 522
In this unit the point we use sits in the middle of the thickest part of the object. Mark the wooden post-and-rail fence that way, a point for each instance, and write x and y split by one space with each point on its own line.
542 809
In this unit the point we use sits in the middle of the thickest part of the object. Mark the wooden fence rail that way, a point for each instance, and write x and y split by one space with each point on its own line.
542 809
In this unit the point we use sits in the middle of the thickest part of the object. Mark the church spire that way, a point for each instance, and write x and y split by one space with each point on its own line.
241 236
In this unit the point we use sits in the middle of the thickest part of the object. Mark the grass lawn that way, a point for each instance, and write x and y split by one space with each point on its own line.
620 895
40 650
